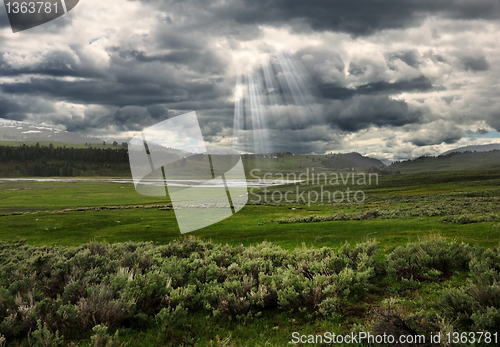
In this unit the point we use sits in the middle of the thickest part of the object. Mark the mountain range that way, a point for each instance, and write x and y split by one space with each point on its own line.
468 157
12 130
475 148
454 161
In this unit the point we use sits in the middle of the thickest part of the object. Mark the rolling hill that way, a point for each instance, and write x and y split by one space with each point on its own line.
451 162
477 148
25 132
36 157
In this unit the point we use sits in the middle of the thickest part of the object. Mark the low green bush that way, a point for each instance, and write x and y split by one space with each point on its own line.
73 290
428 259
50 292
476 305
43 337
101 338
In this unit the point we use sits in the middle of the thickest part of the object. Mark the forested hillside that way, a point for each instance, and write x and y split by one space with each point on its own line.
48 161
450 162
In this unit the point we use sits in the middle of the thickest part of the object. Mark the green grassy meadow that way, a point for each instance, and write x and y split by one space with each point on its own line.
461 206
35 211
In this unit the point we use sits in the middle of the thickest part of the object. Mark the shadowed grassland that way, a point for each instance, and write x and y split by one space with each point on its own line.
399 209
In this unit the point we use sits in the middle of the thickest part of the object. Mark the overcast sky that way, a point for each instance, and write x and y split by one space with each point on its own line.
392 79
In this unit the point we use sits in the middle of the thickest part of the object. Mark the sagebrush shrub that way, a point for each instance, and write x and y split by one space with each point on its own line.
477 304
485 266
72 290
392 322
101 338
100 307
43 337
421 260
170 318
488 320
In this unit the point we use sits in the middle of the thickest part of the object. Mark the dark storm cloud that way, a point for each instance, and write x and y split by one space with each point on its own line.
125 84
494 121
364 111
157 112
311 140
437 140
56 63
334 91
355 69
137 118
130 106
479 131
95 92
128 118
360 17
475 63
448 99
191 76
93 121
180 57
196 58
410 58
20 108
10 110
436 134
315 58
436 58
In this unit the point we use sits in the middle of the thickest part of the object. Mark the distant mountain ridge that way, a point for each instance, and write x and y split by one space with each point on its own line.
474 148
285 162
21 131
12 130
453 161
350 160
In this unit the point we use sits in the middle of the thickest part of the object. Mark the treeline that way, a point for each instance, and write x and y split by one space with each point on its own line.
488 160
83 155
48 161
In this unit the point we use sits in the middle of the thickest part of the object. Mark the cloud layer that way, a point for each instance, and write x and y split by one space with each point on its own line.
392 79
